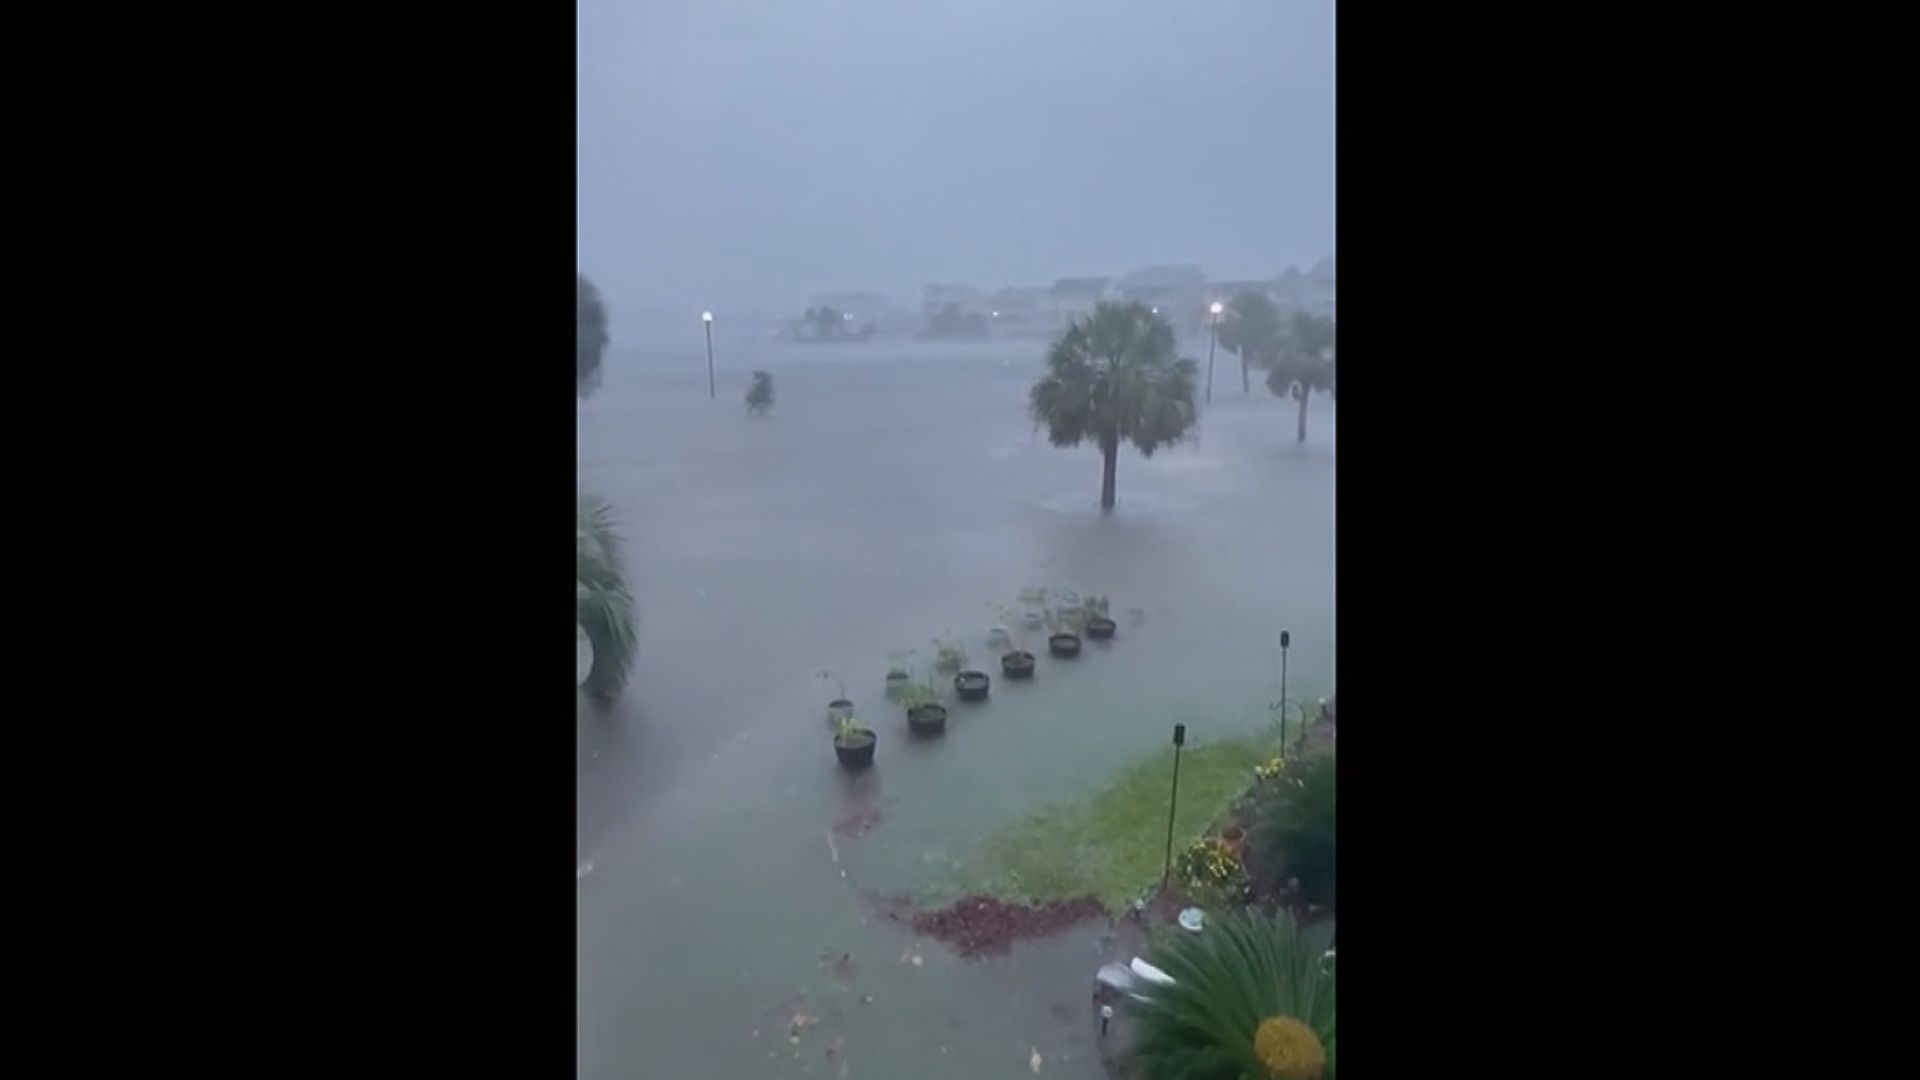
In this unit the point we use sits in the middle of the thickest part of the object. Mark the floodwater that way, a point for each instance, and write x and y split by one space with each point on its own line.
897 493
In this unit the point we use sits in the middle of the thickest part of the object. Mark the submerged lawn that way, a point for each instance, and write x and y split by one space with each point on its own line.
1111 845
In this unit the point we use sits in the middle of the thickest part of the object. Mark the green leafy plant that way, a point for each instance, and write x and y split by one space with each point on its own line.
949 655
1210 872
1293 833
917 692
899 672
847 731
1250 997
603 606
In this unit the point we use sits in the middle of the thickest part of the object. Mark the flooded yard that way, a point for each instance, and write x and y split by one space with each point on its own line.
727 921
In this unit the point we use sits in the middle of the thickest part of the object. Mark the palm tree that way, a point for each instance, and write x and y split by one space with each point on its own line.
1251 996
1304 362
590 336
1113 377
603 608
1252 330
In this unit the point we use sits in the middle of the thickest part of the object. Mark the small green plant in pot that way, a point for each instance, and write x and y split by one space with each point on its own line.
926 714
852 743
899 673
949 656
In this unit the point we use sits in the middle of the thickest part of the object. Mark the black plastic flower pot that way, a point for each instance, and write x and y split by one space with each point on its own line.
896 682
1064 645
929 719
857 752
971 685
1017 665
838 709
1100 628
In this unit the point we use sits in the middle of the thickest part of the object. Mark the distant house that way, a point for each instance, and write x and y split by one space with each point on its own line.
859 306
1016 309
1074 297
1160 282
1225 291
1319 298
1290 290
935 297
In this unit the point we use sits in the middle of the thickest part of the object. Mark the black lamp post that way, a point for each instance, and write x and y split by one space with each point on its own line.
707 318
1213 338
1179 740
1286 639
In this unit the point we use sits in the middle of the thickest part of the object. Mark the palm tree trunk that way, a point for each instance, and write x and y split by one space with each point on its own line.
1110 455
1302 432
1246 387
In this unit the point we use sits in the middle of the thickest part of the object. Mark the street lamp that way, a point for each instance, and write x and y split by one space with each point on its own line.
1213 338
707 318
1179 740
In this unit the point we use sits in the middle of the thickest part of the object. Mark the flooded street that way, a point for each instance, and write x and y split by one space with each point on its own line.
898 492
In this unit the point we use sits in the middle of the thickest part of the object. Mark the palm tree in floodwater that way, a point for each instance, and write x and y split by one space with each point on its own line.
603 607
1114 377
1252 331
1303 362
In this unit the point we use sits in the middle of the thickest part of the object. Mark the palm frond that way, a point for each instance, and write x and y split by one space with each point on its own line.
1239 971
603 605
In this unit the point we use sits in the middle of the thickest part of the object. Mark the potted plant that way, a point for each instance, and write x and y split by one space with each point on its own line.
1064 645
1100 628
1015 661
853 744
948 655
971 685
841 706
899 677
925 714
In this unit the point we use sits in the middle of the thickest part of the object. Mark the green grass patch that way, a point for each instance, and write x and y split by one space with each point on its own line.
1111 844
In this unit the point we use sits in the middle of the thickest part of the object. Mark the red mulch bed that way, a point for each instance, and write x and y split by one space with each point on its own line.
982 925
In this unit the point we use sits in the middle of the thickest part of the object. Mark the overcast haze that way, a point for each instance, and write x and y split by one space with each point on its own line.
749 153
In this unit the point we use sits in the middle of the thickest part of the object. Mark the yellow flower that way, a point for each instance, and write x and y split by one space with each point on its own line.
1289 1049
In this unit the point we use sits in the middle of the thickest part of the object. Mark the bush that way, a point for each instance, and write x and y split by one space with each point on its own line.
1251 997
1293 832
760 394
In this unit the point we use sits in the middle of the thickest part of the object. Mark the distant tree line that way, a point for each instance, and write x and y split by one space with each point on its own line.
829 323
1296 351
951 323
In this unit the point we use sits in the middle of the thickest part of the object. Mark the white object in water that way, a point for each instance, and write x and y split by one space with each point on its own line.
582 656
1192 919
1150 973
1115 977
583 870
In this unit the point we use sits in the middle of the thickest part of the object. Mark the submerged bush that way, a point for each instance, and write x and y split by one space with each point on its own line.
760 394
1251 997
1293 833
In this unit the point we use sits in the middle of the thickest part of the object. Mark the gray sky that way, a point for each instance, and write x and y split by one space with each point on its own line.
752 152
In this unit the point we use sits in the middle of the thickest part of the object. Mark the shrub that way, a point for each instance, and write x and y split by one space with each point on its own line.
1251 997
1210 872
1293 833
760 394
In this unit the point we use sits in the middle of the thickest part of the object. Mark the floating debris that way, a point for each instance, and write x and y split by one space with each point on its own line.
978 925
